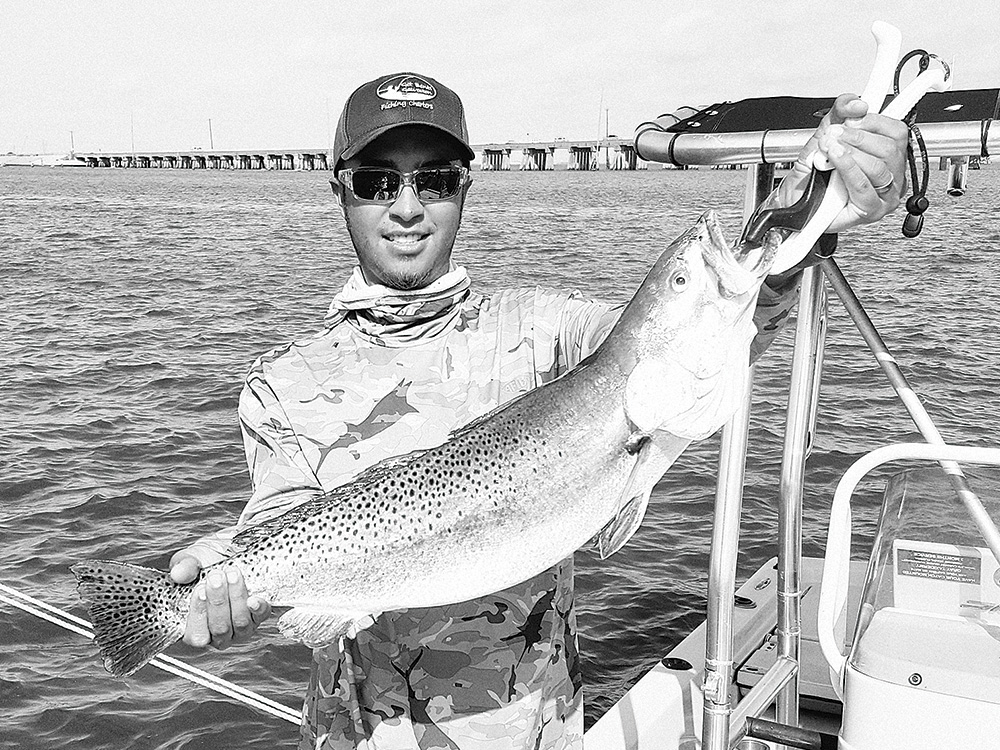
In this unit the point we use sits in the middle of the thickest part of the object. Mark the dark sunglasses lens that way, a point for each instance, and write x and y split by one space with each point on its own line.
435 184
375 184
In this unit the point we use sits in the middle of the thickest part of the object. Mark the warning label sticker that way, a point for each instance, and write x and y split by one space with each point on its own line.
956 580
939 566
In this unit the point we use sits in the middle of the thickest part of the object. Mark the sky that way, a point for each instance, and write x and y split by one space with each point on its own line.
276 74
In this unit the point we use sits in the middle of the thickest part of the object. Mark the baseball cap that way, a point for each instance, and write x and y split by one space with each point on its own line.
387 102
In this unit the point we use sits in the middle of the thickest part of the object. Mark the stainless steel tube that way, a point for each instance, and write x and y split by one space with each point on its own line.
941 139
722 579
806 363
726 537
761 696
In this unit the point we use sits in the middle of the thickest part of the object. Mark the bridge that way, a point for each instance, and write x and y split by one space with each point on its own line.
619 153
582 155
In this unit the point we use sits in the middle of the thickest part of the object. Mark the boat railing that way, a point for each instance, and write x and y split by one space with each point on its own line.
972 137
724 724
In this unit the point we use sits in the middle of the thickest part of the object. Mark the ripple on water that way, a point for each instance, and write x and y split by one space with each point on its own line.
140 298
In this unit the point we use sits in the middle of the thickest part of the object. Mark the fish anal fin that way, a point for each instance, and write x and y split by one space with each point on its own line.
621 528
317 627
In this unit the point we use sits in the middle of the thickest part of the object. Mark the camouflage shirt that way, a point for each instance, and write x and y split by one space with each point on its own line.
498 672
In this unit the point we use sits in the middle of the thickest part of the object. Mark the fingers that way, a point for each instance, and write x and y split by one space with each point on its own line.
869 155
847 107
196 631
862 156
219 615
241 614
865 204
221 612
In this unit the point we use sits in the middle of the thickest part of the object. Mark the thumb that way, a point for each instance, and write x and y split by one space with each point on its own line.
847 107
260 609
184 567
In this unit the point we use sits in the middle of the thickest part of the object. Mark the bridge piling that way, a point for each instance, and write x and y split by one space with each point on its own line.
583 155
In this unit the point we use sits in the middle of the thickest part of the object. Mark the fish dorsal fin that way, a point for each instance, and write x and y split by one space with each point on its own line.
317 627
631 504
656 392
318 501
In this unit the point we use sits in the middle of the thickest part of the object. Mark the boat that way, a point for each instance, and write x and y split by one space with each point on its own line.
69 160
900 652
22 160
774 663
41 160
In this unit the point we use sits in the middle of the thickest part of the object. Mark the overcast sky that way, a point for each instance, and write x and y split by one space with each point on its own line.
275 74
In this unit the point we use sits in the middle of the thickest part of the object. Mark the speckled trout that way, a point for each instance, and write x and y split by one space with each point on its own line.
506 496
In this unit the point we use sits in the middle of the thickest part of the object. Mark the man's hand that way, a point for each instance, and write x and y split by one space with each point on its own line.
221 613
869 153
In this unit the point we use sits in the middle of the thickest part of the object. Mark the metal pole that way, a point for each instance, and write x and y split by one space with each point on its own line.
909 398
941 139
607 145
329 138
760 696
722 578
802 399
726 535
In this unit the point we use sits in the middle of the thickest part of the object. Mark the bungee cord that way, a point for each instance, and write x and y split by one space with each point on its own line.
917 203
176 667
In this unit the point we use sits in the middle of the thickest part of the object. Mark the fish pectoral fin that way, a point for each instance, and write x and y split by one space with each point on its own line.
631 504
322 627
620 529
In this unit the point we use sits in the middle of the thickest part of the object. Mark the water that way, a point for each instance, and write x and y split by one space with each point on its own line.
135 300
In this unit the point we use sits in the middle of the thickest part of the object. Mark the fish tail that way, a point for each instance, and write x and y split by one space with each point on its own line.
136 612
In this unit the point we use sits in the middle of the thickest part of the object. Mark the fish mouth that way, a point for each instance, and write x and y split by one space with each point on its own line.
741 267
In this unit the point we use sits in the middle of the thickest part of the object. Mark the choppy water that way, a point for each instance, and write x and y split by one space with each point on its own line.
133 302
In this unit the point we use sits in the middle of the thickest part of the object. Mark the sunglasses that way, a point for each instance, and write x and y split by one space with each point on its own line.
383 185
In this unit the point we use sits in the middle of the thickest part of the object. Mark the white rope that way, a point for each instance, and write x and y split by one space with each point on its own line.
167 663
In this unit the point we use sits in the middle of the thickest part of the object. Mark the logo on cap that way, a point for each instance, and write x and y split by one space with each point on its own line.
406 89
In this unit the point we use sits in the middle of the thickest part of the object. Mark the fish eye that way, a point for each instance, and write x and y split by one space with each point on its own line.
678 281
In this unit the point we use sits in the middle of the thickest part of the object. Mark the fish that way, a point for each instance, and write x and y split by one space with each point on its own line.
504 497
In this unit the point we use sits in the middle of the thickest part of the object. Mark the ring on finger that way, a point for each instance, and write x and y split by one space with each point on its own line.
882 189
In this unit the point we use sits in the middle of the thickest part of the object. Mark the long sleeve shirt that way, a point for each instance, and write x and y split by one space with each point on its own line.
498 672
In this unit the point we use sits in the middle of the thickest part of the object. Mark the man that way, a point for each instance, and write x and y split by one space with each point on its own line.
408 354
